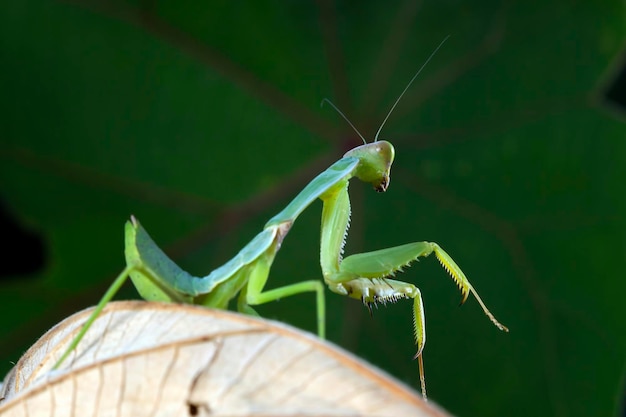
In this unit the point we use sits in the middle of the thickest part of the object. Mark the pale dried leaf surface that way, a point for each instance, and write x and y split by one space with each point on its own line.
153 359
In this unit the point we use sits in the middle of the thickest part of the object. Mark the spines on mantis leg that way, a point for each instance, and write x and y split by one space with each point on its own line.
419 323
463 283
384 262
377 291
453 269
335 223
419 331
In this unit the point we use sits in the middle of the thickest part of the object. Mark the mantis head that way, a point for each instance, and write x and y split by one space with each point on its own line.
375 161
375 158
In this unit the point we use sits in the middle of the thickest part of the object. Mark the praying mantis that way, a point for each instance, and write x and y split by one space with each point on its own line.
363 276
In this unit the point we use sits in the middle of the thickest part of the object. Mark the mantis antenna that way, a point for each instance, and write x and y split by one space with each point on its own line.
394 104
408 85
345 118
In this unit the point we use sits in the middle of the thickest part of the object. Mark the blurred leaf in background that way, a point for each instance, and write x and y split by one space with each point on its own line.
203 120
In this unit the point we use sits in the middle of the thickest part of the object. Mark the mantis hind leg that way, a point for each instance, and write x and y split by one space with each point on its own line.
149 286
113 289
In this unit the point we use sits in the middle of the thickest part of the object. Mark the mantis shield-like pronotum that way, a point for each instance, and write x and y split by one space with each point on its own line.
362 276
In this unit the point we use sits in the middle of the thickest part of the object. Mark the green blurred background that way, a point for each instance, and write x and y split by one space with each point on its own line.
203 120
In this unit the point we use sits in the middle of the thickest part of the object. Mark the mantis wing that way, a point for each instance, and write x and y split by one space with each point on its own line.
158 278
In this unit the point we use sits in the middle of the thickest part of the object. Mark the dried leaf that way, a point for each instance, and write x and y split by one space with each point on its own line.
166 359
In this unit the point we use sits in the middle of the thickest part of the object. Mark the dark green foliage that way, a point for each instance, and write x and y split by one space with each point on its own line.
204 121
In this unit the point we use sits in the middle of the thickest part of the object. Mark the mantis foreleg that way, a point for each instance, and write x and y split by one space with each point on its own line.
364 276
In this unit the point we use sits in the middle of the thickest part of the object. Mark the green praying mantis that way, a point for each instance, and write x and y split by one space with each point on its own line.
363 276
